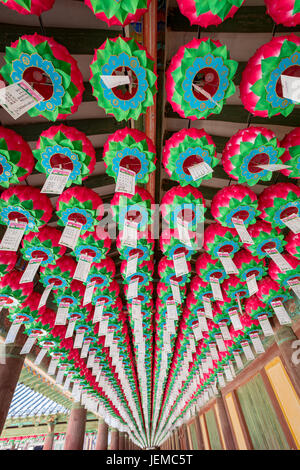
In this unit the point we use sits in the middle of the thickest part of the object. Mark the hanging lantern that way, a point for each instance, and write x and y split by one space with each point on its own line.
65 148
71 295
144 247
28 311
170 244
186 203
131 149
186 149
261 88
8 261
293 244
79 205
200 79
12 293
138 208
16 159
166 272
49 68
285 278
108 295
199 290
25 204
257 309
95 245
270 291
247 150
144 273
120 13
234 288
144 294
29 7
59 274
123 101
264 238
235 201
207 267
102 273
286 13
165 293
291 156
249 265
220 239
279 201
206 12
44 244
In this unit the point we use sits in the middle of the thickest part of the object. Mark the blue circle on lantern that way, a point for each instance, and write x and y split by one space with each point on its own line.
273 159
276 218
46 281
126 250
8 209
145 278
249 220
167 279
171 250
232 295
101 279
272 97
7 168
131 62
145 217
281 297
276 241
212 272
215 63
180 173
62 297
128 152
216 248
58 149
47 251
259 272
108 298
65 214
98 253
35 60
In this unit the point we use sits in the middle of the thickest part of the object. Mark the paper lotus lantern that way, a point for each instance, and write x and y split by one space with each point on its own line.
283 278
131 149
112 57
108 295
246 150
291 156
170 244
279 201
207 12
44 245
200 79
165 293
144 273
234 288
8 261
234 201
249 265
29 7
71 295
28 311
66 148
144 248
102 272
261 89
185 149
138 208
16 159
81 205
186 203
95 244
12 293
59 274
166 272
119 13
255 308
207 267
286 13
220 239
270 291
144 294
264 238
25 204
199 290
49 68
293 244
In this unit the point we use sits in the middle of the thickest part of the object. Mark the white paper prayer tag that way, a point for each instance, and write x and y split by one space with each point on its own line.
103 327
28 345
108 339
221 379
176 291
52 366
172 310
112 81
70 328
197 332
83 268
239 303
290 88
98 313
220 343
129 237
207 307
202 322
126 181
252 284
225 332
274 167
31 270
60 376
242 231
78 340
206 94
13 331
228 373
56 181
216 288
265 325
133 286
67 382
235 320
13 236
279 260
200 170
88 293
131 266
18 98
238 360
85 348
280 312
2 353
45 295
91 358
294 284
136 309
40 356
70 235
247 350
228 264
62 313
180 264
292 222
183 232
256 341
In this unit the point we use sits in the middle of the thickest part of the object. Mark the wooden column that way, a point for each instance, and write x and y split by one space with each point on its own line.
9 376
122 441
101 442
199 434
225 424
76 428
48 443
114 441
285 337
